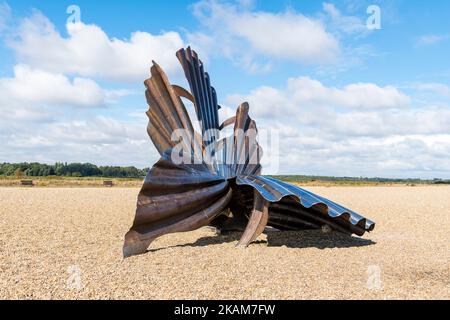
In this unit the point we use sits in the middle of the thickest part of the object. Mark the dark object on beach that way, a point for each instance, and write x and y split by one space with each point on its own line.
26 183
226 190
108 183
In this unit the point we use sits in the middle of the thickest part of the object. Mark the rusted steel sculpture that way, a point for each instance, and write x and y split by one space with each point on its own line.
224 190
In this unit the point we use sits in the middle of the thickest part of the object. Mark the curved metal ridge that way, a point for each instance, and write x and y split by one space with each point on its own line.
204 94
274 191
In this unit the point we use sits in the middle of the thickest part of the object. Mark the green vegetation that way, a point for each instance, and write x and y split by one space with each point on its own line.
69 170
86 174
319 180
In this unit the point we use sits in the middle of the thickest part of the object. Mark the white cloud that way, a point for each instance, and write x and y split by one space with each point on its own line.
431 39
51 106
305 93
241 34
309 150
33 86
36 95
5 13
439 88
88 51
360 129
287 35
98 140
381 124
342 23
99 131
114 95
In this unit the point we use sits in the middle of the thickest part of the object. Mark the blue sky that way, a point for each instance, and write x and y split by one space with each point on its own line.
347 100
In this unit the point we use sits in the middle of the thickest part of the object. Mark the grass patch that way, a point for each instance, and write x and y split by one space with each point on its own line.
54 181
97 182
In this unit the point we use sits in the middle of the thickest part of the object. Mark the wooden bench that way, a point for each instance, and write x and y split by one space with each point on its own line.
108 183
26 183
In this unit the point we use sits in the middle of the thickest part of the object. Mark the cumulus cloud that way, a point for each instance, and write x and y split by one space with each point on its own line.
88 51
339 22
30 86
98 140
241 34
287 35
439 88
360 129
5 13
431 39
51 104
36 95
306 149
305 93
362 109
100 130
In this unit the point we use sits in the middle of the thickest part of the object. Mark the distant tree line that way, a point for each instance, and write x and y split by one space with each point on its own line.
90 170
303 179
69 170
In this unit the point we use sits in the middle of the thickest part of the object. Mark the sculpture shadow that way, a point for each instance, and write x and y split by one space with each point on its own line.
208 241
290 239
315 239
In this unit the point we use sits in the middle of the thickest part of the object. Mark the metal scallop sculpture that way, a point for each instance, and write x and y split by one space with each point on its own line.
203 180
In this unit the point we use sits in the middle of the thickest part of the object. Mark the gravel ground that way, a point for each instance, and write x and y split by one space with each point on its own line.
66 243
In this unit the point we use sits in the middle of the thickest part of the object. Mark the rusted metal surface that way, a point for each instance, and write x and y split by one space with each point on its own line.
257 221
227 191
